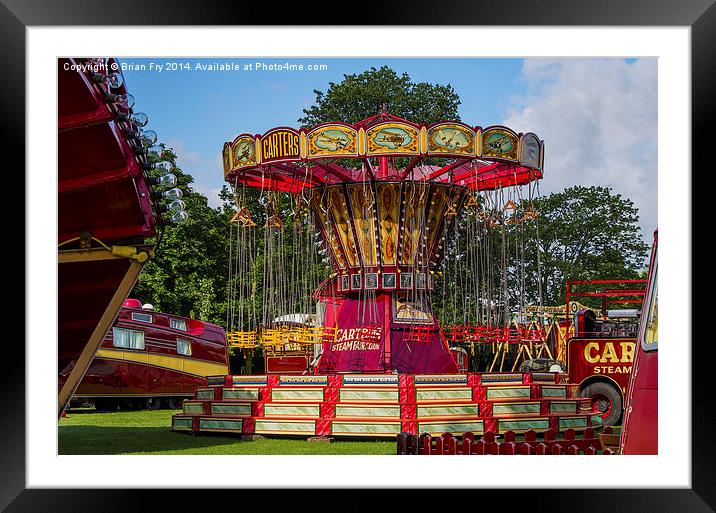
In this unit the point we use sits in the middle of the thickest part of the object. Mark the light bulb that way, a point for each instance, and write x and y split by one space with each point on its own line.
155 150
173 194
115 80
139 118
167 180
148 137
126 101
177 206
164 166
179 217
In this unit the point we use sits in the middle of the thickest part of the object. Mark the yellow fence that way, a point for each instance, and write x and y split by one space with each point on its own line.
282 336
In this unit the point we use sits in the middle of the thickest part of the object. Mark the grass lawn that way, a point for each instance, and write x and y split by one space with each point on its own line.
147 432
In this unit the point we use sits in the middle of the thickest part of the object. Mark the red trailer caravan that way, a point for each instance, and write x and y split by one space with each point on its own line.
639 433
151 359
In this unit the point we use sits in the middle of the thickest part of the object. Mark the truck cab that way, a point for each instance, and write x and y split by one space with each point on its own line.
600 351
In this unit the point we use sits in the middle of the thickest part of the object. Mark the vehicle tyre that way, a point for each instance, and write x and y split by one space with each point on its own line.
606 400
152 403
175 403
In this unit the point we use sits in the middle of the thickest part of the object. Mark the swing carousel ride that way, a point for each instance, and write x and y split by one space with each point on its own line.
383 217
347 239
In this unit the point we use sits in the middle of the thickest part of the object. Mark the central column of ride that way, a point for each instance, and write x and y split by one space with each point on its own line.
384 241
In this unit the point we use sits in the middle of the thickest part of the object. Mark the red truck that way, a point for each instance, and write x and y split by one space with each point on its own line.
600 352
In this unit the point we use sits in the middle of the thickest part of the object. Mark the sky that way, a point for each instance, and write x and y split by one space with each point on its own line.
598 117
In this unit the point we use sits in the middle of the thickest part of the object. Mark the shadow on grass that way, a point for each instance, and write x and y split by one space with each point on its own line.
136 440
100 440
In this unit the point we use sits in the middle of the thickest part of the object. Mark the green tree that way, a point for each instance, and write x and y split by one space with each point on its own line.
362 95
583 233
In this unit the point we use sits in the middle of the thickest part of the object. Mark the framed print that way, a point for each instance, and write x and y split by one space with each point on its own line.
268 144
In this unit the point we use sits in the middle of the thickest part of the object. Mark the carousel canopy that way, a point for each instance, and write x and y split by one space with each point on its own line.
290 160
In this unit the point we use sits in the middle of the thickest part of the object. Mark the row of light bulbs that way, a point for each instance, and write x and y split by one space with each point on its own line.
145 145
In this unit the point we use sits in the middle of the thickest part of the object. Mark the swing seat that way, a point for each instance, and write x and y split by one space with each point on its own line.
530 214
510 205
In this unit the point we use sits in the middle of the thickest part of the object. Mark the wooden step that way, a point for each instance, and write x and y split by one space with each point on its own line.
453 426
297 394
243 393
291 410
446 410
369 395
442 394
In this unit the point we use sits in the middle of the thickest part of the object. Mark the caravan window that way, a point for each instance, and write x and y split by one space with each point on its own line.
141 317
130 339
177 324
184 346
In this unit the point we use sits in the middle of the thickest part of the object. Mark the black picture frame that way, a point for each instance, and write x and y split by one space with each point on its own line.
699 15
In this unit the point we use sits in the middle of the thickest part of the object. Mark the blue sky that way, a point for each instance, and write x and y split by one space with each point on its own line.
597 116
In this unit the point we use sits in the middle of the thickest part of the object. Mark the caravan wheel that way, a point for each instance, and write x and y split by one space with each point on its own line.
152 403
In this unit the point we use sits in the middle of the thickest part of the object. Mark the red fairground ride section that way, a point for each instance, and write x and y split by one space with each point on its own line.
383 209
106 211
640 430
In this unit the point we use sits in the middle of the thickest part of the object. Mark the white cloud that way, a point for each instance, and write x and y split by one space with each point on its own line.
206 172
185 157
211 193
598 118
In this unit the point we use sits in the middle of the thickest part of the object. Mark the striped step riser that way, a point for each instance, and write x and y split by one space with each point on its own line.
291 410
284 427
538 424
216 408
363 428
353 395
504 392
220 425
298 395
554 392
204 393
513 409
240 394
230 409
193 407
327 428
443 395
182 424
466 410
476 427
387 412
